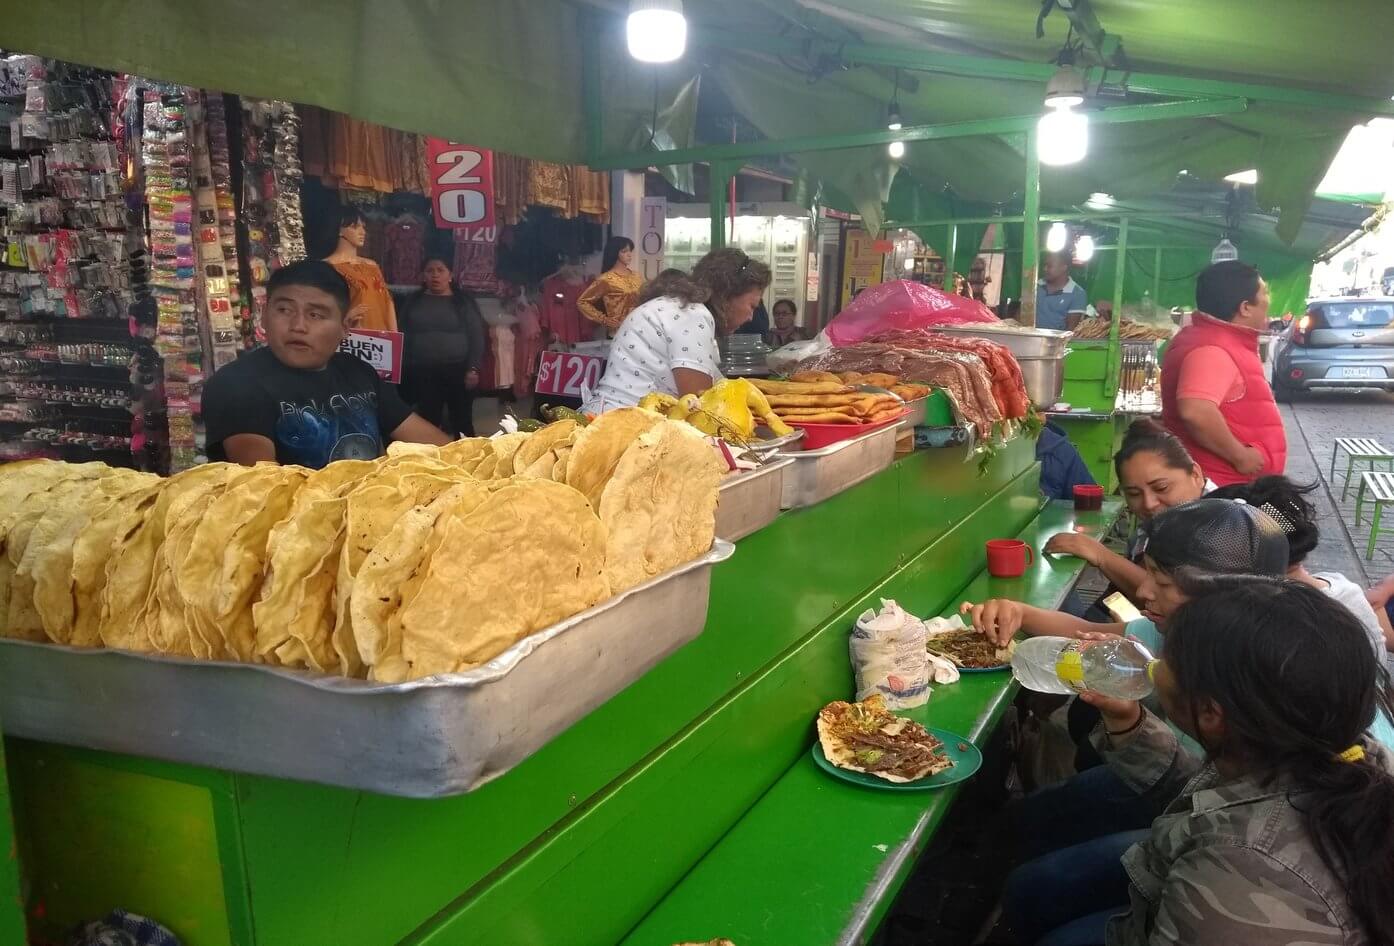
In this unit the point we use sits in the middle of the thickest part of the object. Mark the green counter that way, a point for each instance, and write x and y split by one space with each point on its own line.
578 843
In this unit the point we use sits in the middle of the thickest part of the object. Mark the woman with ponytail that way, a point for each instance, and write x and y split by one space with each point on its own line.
1285 832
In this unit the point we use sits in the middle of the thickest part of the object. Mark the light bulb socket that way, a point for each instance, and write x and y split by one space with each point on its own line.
894 122
1065 89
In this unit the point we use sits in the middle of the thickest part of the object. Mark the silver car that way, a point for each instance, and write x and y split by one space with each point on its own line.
1338 343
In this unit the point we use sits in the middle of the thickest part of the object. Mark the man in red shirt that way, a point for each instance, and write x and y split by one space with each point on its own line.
1215 393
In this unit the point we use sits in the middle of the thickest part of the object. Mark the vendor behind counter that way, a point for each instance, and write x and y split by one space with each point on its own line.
299 399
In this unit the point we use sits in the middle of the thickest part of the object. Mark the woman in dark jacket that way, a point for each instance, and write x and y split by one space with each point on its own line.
444 346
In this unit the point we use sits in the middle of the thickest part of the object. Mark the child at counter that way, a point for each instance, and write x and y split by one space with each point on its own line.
1281 832
1187 543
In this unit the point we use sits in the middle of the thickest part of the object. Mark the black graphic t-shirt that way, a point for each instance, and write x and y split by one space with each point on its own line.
342 412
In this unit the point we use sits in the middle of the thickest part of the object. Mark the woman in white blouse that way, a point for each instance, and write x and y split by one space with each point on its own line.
668 342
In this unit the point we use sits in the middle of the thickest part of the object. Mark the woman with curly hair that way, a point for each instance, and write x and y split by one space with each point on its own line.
667 344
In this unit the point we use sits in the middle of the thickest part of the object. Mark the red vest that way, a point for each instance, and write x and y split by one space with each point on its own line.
1253 419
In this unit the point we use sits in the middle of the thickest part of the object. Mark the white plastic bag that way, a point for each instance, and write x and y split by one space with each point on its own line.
889 657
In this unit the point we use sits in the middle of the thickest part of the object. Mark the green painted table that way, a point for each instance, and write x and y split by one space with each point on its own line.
576 844
11 907
817 860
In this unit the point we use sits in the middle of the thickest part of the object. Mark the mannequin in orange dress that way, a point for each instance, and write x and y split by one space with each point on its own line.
616 290
370 303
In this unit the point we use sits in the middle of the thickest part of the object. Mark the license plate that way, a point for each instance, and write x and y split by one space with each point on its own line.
1372 373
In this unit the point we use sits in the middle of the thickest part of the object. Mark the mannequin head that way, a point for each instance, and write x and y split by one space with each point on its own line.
352 231
618 249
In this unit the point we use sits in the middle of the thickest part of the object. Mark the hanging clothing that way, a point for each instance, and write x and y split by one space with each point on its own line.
368 289
406 250
510 187
550 185
502 336
592 193
528 344
615 292
474 267
560 316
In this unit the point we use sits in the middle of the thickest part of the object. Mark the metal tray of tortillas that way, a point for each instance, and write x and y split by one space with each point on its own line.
428 738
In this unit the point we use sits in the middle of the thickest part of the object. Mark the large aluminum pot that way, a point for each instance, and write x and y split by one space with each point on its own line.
1044 377
1022 342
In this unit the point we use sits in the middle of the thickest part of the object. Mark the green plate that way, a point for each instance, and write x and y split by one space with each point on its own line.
966 762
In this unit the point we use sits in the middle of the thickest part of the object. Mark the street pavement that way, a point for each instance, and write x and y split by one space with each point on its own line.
1313 424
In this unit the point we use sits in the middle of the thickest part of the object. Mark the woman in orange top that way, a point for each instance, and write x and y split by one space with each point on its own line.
617 287
370 304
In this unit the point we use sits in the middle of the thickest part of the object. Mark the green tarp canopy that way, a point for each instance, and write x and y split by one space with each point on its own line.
509 74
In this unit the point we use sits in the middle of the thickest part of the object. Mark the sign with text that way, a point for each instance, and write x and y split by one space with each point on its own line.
653 221
462 184
564 374
382 350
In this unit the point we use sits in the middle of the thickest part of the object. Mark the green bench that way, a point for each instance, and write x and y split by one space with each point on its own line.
816 860
1358 450
1379 487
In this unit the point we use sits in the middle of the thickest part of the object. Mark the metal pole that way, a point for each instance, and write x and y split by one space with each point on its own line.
720 174
1030 230
951 259
1115 353
1103 217
591 91
967 129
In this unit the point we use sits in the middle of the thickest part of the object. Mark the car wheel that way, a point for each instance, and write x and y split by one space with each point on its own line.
1284 394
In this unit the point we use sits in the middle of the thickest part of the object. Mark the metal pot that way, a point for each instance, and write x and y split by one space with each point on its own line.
1044 377
1021 342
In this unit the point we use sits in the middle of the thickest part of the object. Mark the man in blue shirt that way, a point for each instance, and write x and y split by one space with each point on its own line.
1057 294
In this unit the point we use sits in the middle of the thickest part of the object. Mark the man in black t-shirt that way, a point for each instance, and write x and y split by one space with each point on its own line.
299 400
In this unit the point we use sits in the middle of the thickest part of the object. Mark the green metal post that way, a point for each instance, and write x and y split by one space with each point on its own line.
1030 230
720 175
591 90
1157 276
1115 352
951 258
11 906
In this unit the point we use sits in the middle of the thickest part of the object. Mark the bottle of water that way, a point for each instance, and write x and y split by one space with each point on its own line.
1149 306
1118 667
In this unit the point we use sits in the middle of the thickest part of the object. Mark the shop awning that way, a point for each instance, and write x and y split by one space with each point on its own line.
513 76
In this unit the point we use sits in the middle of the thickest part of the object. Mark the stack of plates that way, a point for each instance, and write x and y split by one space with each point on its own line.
743 355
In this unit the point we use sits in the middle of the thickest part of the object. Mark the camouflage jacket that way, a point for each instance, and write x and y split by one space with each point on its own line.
1228 863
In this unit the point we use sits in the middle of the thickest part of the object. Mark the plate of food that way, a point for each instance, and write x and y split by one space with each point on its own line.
970 651
866 744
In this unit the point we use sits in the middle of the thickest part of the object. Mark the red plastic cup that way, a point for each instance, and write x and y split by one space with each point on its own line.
1008 558
1089 497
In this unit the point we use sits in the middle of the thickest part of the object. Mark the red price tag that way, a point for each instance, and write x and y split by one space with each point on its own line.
562 374
462 185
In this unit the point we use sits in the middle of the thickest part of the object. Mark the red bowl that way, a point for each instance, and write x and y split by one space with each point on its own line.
825 435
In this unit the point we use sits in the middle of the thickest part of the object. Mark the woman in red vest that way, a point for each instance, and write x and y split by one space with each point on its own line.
1215 393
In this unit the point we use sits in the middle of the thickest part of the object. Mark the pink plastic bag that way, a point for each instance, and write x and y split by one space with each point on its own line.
902 304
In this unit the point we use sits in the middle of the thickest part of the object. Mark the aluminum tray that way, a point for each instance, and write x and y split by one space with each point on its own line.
1021 342
818 474
428 738
917 409
750 500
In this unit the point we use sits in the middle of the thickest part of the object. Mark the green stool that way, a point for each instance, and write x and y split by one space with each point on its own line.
1380 487
1359 450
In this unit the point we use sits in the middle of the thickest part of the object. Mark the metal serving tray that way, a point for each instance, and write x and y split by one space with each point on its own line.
818 474
750 500
443 735
916 417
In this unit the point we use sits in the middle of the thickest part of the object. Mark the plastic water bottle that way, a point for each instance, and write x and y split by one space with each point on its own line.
1149 306
1118 667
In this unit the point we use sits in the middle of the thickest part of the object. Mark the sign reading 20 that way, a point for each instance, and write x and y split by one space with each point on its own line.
462 184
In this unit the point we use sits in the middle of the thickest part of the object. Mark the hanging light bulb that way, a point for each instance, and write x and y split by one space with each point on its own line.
1056 237
656 30
897 149
1224 252
1062 136
1084 248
